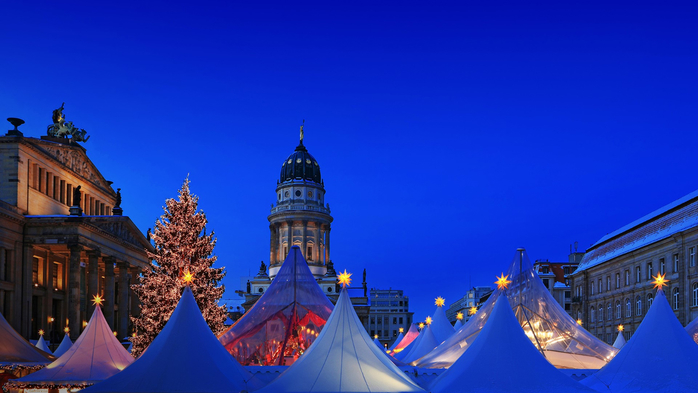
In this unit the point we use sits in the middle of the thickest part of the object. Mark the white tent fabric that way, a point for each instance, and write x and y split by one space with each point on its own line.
440 326
184 357
396 342
65 345
564 343
96 356
620 341
457 325
427 343
404 345
41 344
503 359
378 343
409 348
660 357
18 353
343 359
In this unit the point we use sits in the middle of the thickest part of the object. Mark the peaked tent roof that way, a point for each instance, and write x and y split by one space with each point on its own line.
41 344
440 325
457 325
561 340
620 341
411 335
660 357
396 342
426 344
269 333
378 343
402 355
65 345
692 329
343 359
503 359
184 357
96 356
18 353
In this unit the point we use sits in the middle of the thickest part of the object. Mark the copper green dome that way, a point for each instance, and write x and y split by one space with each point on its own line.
300 165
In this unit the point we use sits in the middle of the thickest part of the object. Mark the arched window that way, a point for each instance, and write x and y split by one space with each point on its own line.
628 308
618 310
675 298
650 298
592 314
600 312
638 306
695 294
609 312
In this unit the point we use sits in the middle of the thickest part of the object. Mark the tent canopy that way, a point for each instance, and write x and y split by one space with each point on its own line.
343 359
425 343
561 340
440 325
65 345
285 320
96 356
411 335
184 357
18 353
692 329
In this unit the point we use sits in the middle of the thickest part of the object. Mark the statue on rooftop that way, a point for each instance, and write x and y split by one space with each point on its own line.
62 129
118 198
263 268
77 197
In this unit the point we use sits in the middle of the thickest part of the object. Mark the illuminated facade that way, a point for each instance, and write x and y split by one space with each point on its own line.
390 311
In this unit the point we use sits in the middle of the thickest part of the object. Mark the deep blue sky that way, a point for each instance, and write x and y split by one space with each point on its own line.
448 135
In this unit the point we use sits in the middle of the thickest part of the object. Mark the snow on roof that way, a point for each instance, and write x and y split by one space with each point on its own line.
658 225
503 359
560 285
660 357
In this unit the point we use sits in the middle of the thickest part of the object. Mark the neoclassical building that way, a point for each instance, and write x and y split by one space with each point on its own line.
63 239
613 283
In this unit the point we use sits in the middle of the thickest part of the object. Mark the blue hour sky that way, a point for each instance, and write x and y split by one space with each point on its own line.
448 134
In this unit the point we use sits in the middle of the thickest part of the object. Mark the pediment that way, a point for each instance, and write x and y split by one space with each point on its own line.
76 160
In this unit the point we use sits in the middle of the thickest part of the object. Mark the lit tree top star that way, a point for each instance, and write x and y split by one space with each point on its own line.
472 310
344 278
97 300
660 281
428 321
502 282
621 328
459 316
440 301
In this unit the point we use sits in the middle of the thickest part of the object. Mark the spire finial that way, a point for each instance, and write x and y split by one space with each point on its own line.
302 131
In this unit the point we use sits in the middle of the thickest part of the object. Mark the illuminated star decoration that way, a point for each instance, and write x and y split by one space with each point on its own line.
402 330
502 282
621 328
67 329
421 325
660 281
115 333
188 277
41 332
97 300
375 336
344 278
459 316
440 301
428 320
472 310
579 322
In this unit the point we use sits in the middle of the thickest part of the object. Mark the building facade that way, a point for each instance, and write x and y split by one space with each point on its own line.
556 276
389 311
613 284
463 305
62 239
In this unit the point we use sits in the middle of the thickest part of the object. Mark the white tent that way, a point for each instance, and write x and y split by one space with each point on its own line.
96 356
406 341
378 343
18 353
458 325
427 342
503 359
41 344
65 345
184 357
343 359
397 341
440 325
660 357
620 341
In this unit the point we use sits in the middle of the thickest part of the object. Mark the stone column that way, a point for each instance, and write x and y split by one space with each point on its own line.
109 300
327 243
317 256
27 289
92 279
123 300
3 263
279 246
304 243
272 235
74 291
135 302
48 299
290 236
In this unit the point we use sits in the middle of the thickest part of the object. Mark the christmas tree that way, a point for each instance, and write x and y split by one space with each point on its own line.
181 246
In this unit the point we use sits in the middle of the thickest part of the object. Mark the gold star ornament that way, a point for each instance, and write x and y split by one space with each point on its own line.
421 325
660 281
41 332
402 330
502 282
188 277
344 278
621 328
67 329
579 322
459 316
440 301
472 310
428 321
375 336
97 300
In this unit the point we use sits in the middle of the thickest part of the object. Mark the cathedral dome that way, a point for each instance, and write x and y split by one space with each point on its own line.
300 165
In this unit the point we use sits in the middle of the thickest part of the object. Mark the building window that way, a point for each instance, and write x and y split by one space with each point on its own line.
600 286
373 322
627 278
692 256
609 312
637 274
400 320
676 263
592 287
36 262
592 314
695 294
650 299
58 275
69 194
394 320
617 280
608 283
675 298
373 333
394 333
546 282
662 266
310 253
546 270
600 312
566 270
638 306
628 308
618 309
649 271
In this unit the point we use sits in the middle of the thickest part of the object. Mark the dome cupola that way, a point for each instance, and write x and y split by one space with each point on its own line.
300 165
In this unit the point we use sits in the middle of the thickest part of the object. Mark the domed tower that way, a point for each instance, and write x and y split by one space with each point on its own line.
300 217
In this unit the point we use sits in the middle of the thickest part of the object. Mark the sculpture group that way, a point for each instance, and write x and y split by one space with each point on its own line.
62 129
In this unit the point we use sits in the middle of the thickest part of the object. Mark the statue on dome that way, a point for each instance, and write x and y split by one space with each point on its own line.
62 129
302 131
